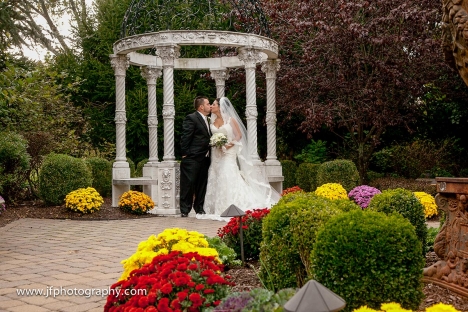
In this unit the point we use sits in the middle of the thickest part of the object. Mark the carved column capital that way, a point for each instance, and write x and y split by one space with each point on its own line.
250 57
270 67
119 63
152 121
220 75
251 112
151 73
270 118
168 111
120 117
168 54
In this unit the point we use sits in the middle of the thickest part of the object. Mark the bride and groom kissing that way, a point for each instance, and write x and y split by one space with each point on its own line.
211 177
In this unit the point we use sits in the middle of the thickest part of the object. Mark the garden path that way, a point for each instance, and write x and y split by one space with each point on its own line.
64 255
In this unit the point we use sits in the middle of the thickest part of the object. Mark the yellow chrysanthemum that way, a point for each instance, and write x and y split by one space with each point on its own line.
332 191
165 242
84 200
365 309
393 307
428 201
136 202
441 307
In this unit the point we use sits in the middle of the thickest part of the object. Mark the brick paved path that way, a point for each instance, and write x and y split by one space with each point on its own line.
43 253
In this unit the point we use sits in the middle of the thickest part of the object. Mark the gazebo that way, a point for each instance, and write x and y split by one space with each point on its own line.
161 179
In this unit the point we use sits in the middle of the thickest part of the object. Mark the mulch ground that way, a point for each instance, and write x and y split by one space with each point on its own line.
245 278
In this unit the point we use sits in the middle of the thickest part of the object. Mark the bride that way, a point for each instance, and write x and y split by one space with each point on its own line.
231 177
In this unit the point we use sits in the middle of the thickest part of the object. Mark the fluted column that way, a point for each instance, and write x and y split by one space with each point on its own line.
168 54
151 74
251 57
220 76
120 64
270 68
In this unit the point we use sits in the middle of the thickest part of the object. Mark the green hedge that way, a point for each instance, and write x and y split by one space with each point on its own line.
306 176
339 171
369 258
289 173
405 203
14 165
101 170
59 175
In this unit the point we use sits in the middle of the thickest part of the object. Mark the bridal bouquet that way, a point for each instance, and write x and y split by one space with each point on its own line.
218 139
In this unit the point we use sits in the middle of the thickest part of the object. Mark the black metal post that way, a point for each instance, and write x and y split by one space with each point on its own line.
241 234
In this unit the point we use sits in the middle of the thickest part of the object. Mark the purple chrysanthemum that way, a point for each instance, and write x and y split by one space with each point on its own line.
235 303
362 195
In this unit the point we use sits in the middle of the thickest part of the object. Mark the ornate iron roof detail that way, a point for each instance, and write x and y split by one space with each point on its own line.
146 16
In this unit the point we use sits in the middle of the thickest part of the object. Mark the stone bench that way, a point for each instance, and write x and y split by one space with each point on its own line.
135 181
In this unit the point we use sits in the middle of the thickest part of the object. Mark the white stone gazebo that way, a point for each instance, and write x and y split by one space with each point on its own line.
161 178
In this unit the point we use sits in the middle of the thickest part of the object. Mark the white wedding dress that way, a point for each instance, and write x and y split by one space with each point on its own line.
228 185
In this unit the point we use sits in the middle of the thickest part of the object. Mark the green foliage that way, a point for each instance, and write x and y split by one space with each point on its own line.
101 170
387 183
339 171
289 234
431 236
412 160
14 164
131 164
289 173
226 254
139 167
368 258
405 203
306 176
314 153
265 300
59 175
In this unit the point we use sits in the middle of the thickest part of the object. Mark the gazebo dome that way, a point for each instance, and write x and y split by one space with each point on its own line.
146 16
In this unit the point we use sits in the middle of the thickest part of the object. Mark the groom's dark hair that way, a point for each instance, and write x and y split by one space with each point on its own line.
199 101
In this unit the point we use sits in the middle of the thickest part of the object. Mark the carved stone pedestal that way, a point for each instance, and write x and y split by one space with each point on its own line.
168 196
451 244
120 170
150 171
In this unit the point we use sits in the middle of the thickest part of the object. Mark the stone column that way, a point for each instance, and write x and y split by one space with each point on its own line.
151 74
220 76
121 169
251 57
274 170
168 54
270 68
168 172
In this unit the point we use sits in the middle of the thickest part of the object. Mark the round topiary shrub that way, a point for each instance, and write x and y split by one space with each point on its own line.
405 203
363 194
289 234
368 258
59 175
102 175
339 171
14 164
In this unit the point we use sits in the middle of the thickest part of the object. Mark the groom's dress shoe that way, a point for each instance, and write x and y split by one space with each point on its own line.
202 212
184 215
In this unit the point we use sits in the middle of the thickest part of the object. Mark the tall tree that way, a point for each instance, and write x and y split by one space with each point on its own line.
356 67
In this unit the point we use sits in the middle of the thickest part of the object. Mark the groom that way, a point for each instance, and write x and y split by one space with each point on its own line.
195 144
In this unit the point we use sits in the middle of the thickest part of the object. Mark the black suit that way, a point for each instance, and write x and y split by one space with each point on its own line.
195 144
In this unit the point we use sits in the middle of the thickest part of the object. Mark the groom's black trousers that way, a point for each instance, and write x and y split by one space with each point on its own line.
193 181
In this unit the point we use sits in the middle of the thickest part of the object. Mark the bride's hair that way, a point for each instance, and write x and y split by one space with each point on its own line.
245 153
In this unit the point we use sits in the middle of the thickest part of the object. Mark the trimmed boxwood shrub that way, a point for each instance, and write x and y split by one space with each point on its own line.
339 171
59 175
288 236
101 170
405 203
289 173
14 164
306 176
369 258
